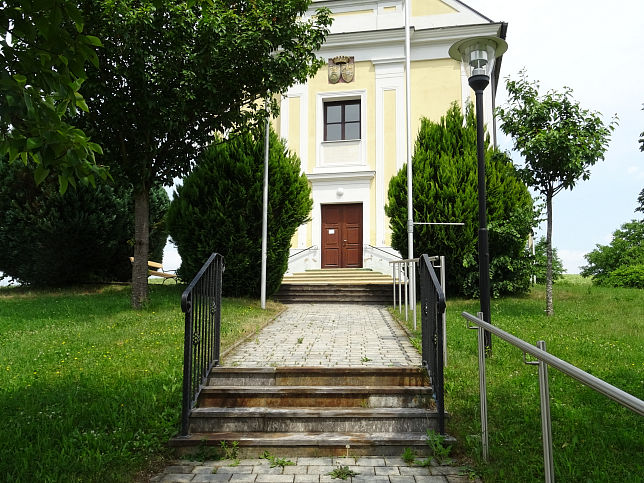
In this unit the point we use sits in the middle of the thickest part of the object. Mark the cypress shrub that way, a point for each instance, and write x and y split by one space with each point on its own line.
445 190
219 209
85 235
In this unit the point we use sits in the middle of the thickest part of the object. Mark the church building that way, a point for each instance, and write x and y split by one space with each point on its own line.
348 122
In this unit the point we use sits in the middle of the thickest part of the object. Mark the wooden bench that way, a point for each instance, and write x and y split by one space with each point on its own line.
155 269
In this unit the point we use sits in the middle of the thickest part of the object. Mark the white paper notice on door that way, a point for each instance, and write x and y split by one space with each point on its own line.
331 231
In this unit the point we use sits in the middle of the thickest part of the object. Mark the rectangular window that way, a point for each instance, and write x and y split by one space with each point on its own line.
342 120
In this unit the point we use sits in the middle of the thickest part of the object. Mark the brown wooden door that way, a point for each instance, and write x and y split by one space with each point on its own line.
342 236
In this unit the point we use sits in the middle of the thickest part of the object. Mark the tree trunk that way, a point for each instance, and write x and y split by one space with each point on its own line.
141 247
549 307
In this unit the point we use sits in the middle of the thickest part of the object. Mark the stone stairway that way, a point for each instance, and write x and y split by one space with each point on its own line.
336 285
310 411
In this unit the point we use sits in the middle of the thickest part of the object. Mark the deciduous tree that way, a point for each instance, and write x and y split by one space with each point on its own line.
83 235
43 55
559 140
171 74
621 262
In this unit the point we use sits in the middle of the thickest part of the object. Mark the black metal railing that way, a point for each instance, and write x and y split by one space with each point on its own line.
303 250
201 302
432 307
393 255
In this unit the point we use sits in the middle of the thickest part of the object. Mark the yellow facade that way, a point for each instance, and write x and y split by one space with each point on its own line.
389 147
351 13
421 8
435 85
294 106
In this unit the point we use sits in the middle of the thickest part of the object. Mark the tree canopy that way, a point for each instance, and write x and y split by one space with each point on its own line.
83 235
621 262
445 190
43 57
559 141
171 74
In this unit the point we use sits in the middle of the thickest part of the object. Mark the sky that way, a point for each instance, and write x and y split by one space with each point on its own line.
595 48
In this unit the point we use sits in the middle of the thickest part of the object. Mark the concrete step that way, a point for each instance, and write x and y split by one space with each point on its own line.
338 283
252 445
318 376
330 299
280 420
317 396
338 276
340 273
307 411
337 288
338 270
315 292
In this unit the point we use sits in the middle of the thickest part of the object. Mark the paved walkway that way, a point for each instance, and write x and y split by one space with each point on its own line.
343 335
321 335
372 469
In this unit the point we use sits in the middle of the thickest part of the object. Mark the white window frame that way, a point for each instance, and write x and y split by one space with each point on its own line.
360 144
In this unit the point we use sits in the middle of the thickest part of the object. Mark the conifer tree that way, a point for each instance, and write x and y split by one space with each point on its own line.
445 190
219 209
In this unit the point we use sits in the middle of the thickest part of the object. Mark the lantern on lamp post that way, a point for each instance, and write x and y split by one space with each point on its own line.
478 55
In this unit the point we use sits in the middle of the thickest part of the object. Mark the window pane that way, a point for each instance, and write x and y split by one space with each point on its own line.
352 130
352 112
333 132
333 113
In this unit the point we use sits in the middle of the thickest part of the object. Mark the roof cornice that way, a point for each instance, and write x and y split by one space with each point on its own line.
418 37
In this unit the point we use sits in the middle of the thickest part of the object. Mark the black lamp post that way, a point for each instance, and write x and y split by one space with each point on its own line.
477 55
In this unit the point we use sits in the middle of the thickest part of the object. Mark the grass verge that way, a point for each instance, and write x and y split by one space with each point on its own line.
90 390
600 330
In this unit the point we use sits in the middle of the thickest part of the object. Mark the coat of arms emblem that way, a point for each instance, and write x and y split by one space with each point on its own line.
348 71
341 69
334 72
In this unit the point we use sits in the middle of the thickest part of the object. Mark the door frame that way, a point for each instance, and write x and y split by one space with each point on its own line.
339 187
342 234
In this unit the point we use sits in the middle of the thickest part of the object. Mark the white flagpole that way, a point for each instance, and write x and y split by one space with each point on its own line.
265 214
410 204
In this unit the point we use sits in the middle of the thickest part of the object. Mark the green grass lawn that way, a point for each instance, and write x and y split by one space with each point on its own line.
91 390
600 330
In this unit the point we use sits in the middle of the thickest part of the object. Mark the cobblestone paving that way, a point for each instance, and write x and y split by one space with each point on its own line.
328 335
369 469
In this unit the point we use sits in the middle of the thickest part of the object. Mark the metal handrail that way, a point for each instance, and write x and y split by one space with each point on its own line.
441 294
407 277
625 399
384 251
403 260
544 359
432 299
303 250
201 303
